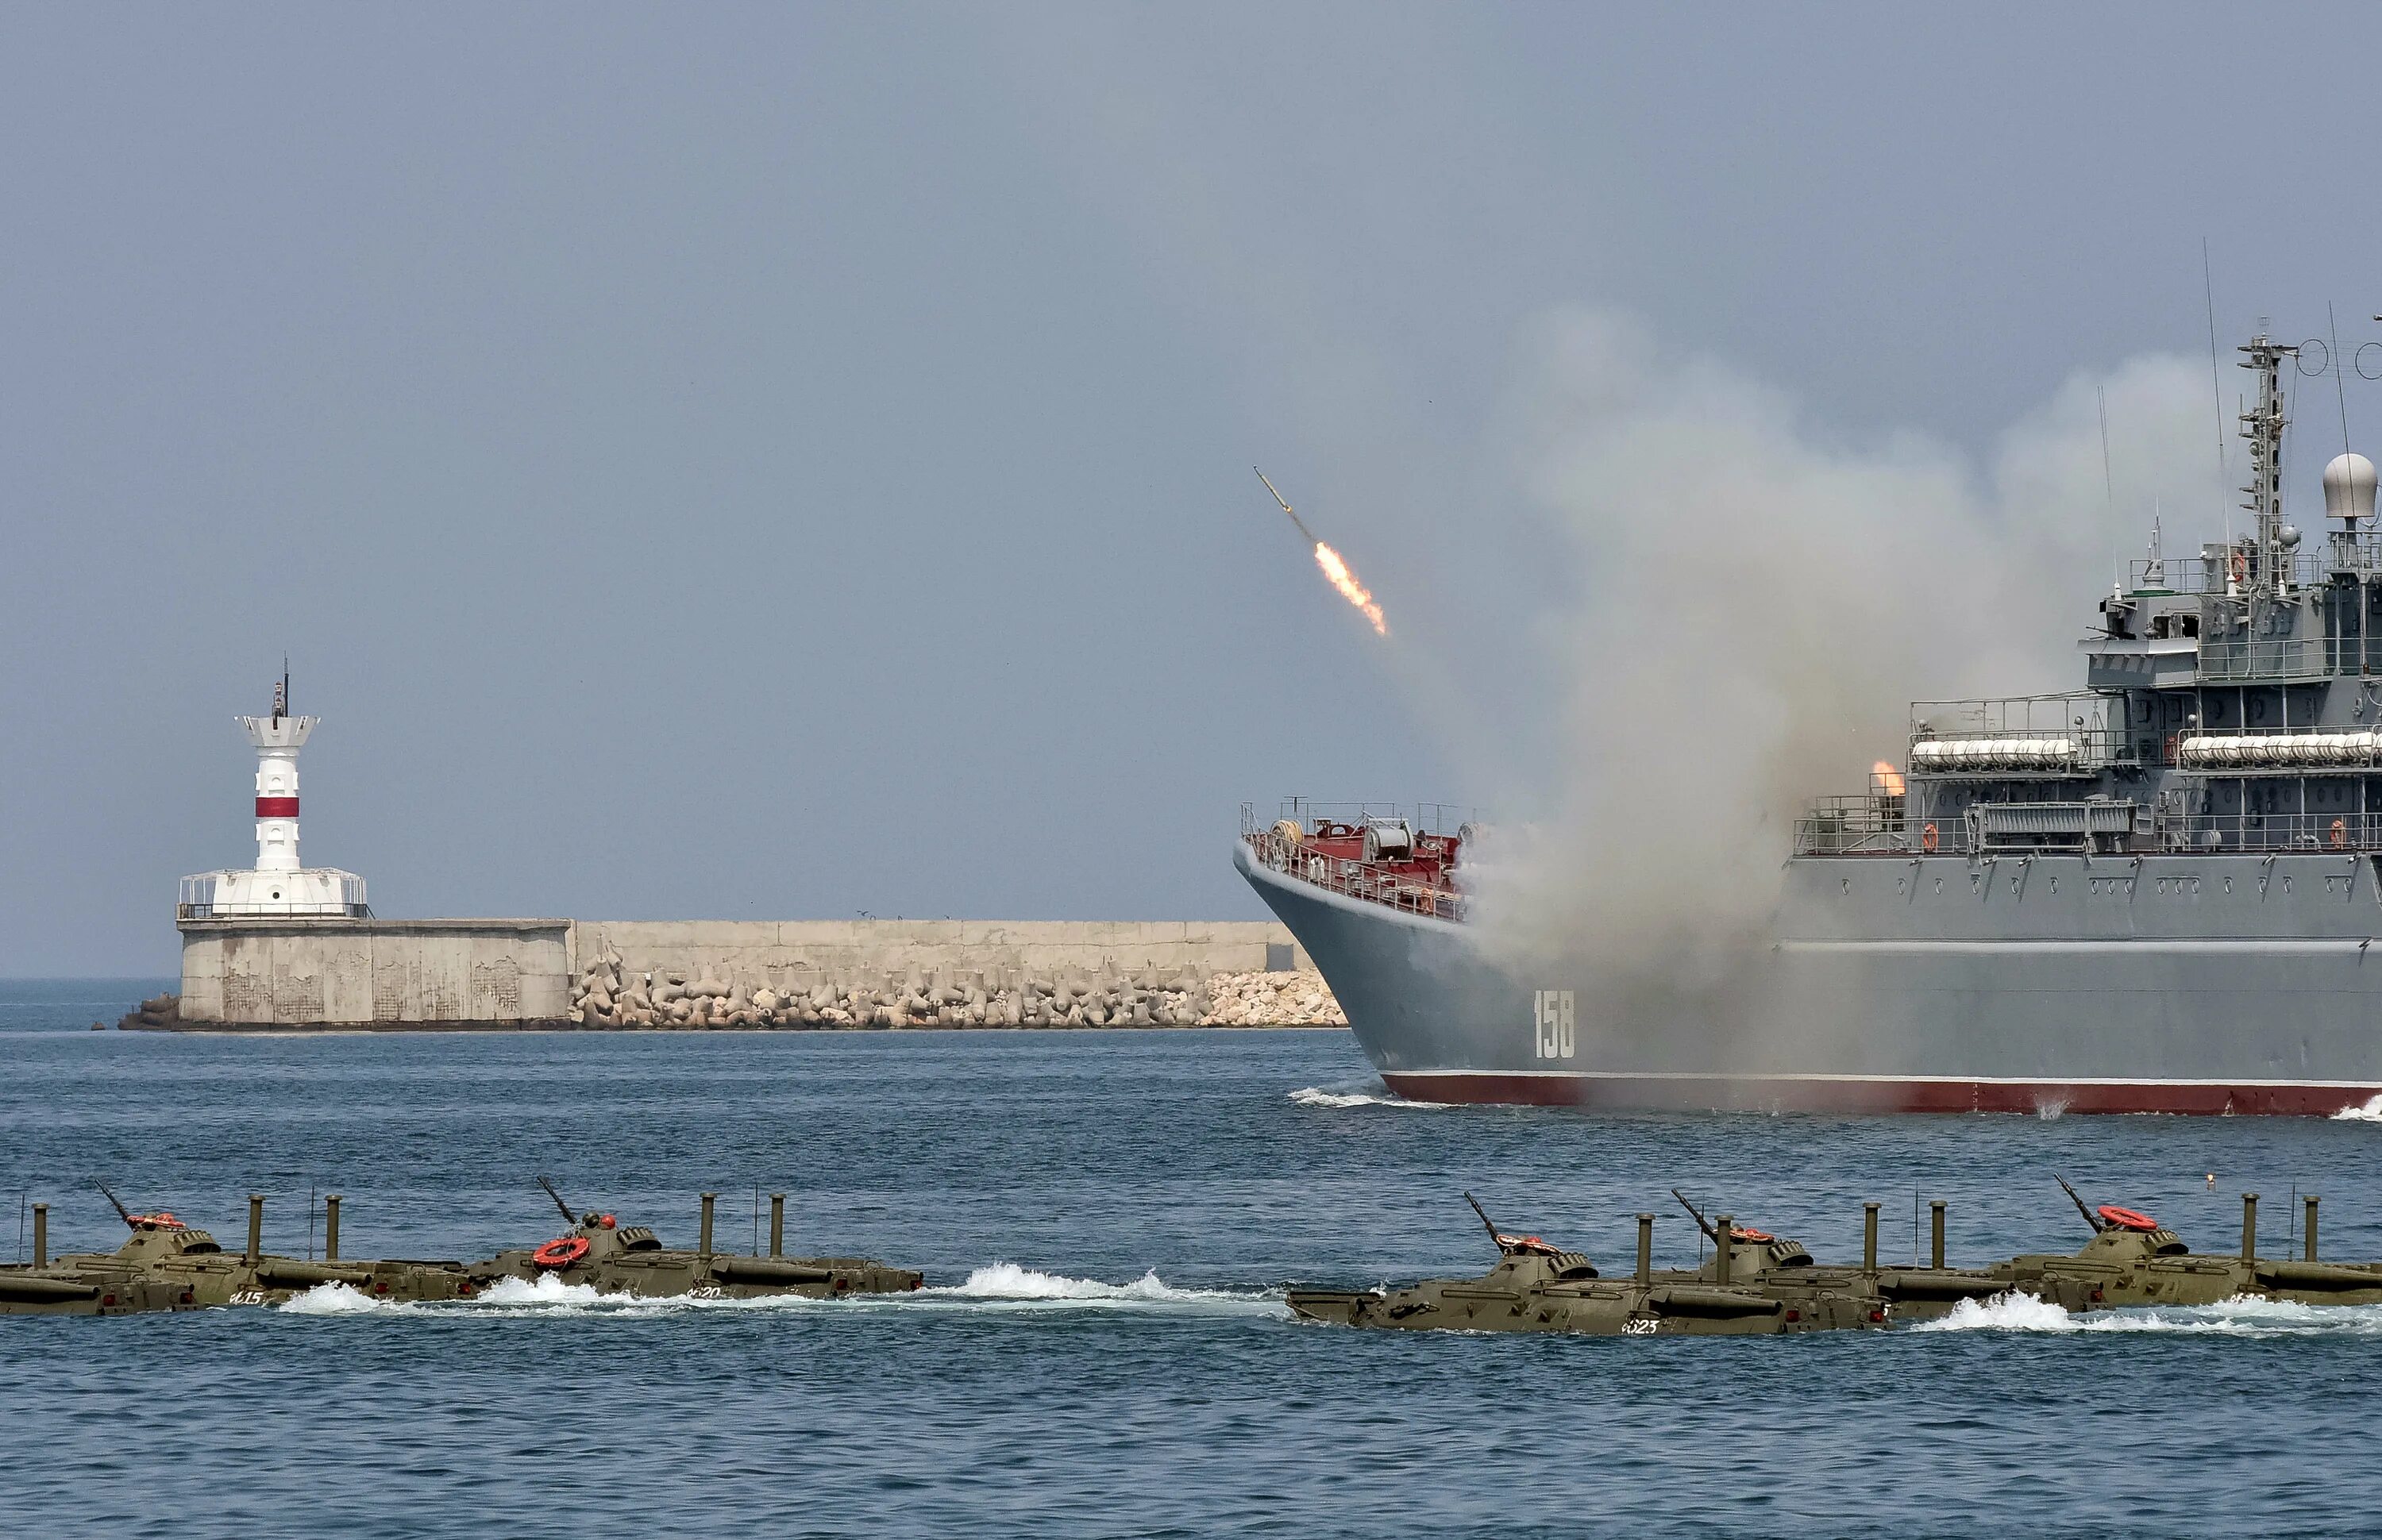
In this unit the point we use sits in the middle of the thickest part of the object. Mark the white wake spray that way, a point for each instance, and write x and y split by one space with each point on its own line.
2242 1316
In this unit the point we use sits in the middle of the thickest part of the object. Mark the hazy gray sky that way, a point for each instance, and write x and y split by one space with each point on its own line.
779 461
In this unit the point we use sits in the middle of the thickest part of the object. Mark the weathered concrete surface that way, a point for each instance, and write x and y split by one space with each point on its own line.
790 952
304 972
364 973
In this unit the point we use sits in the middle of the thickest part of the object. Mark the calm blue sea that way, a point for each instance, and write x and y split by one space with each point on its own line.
1106 1220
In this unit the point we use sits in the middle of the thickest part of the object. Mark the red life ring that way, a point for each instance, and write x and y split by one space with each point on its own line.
2127 1219
561 1252
1927 840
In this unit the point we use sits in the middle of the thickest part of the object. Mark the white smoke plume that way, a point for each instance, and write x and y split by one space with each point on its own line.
1757 605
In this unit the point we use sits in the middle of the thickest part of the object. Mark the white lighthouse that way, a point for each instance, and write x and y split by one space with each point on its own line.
279 885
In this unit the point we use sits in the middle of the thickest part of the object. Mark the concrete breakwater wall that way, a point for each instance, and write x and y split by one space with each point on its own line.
397 973
374 972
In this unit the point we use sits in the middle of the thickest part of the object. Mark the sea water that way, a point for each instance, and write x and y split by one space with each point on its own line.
1106 1220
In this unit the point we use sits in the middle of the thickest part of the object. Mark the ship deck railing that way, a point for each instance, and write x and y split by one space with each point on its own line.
2014 715
1370 881
1887 826
1445 818
2204 571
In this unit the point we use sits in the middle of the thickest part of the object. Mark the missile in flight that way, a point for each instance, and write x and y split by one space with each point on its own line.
1286 509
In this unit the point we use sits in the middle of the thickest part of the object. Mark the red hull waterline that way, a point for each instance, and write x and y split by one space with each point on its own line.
1621 1092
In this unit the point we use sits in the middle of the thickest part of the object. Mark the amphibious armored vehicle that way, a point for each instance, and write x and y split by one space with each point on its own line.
1537 1287
630 1259
65 1287
1782 1267
167 1264
2134 1260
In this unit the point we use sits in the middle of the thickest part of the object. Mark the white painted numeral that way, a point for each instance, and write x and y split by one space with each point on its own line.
1555 1035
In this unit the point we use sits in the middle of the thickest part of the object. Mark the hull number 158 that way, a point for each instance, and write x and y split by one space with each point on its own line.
1556 1036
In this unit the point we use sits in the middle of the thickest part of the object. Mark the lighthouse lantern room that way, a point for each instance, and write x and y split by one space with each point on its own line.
279 885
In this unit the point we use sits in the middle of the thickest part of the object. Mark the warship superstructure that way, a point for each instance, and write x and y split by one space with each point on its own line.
2159 893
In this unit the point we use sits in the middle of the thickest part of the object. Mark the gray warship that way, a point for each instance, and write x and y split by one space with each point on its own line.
2159 893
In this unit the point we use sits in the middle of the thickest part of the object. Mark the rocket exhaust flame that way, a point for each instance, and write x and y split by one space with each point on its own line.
1888 778
1336 568
1350 589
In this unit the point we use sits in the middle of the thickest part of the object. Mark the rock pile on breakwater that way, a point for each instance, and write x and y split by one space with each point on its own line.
155 1014
609 993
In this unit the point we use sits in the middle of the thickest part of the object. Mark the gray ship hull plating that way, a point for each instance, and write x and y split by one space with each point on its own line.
2058 982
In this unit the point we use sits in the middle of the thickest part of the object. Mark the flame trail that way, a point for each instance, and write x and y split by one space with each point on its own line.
1889 780
1350 589
1333 567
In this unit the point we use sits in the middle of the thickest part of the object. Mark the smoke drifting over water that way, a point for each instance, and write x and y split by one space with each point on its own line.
1755 606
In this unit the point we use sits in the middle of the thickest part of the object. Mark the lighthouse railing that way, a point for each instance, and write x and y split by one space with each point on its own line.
197 900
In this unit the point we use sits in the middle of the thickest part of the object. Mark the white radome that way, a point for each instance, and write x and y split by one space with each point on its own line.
2349 487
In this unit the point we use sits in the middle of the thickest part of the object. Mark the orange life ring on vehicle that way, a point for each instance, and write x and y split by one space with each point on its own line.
2127 1218
1927 840
2339 835
561 1252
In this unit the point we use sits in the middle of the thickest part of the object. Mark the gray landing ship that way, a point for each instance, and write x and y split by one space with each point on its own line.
629 1259
167 1264
2157 893
1536 1287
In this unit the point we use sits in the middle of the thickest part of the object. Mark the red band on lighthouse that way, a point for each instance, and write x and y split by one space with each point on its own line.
277 807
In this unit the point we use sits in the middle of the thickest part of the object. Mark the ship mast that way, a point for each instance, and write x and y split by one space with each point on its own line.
2264 429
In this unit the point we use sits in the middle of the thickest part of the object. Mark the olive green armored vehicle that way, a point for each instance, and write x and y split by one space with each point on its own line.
629 1259
1537 1287
167 1264
1781 1267
65 1287
2134 1260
